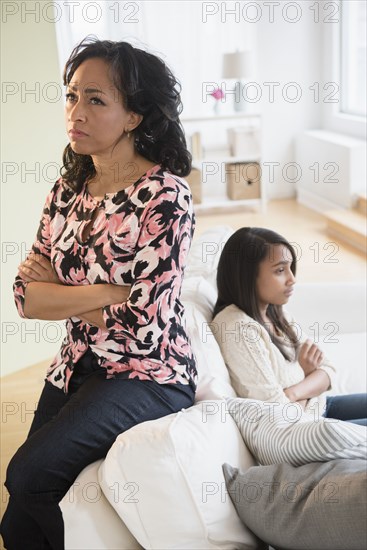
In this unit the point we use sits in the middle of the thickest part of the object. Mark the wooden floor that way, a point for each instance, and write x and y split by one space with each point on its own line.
320 259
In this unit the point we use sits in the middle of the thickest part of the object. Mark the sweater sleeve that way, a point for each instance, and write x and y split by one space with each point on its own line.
247 355
41 245
164 240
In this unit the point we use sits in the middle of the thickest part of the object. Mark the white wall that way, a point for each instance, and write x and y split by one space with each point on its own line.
287 52
32 132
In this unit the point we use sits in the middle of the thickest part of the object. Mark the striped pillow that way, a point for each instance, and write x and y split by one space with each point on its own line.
277 433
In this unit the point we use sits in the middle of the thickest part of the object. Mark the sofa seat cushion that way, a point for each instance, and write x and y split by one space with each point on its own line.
175 465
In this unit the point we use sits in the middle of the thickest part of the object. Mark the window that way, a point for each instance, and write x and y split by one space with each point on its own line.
353 57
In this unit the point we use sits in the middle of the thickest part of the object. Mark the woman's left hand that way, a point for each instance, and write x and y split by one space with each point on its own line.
310 356
37 268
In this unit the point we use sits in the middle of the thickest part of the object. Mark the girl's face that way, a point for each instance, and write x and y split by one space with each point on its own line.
94 113
275 280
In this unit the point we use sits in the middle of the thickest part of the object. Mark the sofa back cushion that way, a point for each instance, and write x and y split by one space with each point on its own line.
199 294
198 298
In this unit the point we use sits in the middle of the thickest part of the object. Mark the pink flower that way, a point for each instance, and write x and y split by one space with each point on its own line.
217 93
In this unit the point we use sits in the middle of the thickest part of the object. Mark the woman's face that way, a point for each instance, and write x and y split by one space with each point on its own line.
275 280
94 114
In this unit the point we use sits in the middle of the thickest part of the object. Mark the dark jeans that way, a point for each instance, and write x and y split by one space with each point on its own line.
69 432
351 408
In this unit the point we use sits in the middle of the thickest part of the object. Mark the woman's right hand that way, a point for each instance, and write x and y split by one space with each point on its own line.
310 357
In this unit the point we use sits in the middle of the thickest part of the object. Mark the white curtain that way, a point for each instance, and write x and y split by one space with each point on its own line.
190 37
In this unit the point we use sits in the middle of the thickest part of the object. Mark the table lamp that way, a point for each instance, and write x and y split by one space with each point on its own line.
237 65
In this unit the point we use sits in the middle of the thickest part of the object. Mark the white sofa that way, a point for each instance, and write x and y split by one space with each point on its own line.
161 485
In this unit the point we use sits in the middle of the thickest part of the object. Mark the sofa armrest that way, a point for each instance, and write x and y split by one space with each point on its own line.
340 304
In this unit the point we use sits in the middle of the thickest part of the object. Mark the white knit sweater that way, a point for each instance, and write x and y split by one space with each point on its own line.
257 368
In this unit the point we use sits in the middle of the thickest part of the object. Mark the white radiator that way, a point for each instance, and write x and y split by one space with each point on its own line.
331 169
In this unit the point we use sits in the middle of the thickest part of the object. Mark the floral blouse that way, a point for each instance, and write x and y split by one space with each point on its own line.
138 236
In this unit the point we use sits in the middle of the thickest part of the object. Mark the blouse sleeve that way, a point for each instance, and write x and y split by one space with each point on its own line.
42 245
248 360
162 247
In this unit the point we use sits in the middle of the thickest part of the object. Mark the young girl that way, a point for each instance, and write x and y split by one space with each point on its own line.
109 258
267 357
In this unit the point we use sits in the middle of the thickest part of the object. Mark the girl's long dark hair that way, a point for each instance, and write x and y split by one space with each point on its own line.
238 269
148 88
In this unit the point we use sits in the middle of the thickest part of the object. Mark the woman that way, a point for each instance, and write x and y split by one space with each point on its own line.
267 356
109 258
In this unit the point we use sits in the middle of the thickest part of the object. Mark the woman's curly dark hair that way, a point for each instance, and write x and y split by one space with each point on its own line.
148 88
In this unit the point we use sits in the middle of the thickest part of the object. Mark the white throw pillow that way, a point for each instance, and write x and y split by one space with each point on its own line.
90 521
277 433
205 253
198 298
175 465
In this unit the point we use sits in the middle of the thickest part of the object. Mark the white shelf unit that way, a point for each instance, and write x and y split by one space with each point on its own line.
215 160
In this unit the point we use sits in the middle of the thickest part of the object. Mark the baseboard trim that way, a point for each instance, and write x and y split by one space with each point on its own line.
315 202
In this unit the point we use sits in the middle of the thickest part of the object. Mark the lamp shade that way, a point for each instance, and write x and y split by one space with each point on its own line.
237 65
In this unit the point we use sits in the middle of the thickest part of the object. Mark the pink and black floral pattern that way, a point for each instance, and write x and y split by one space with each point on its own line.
139 236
